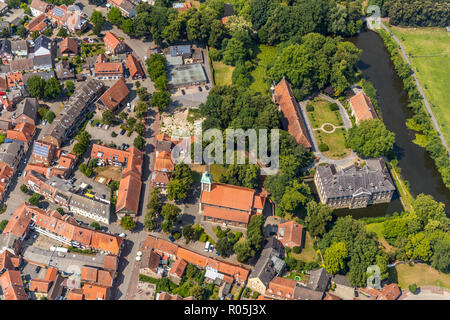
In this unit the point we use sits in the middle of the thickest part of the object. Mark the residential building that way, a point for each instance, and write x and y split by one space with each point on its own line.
42 63
89 208
354 187
73 113
23 132
292 120
281 288
9 257
5 51
3 8
42 46
39 24
26 111
126 7
134 67
68 47
63 71
11 153
269 265
6 173
39 7
12 285
74 22
389 292
15 80
150 264
19 48
57 14
362 108
43 152
108 70
20 65
228 204
291 234
180 6
177 270
116 96
113 44
96 292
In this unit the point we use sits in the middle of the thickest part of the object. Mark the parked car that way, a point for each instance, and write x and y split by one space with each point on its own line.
107 127
200 89
44 122
211 248
35 236
73 180
207 88
123 132
183 92
19 173
122 235
71 141
37 269
90 121
103 196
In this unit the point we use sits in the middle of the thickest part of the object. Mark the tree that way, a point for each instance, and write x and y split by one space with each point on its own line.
224 246
141 109
60 211
197 292
418 247
50 116
95 225
161 82
97 18
52 88
36 86
127 26
123 115
108 117
24 188
131 122
161 99
412 288
180 182
156 66
441 256
3 225
317 218
170 213
243 251
140 128
34 199
127 223
294 199
139 143
190 233
35 34
335 256
142 93
62 32
426 208
70 87
114 16
48 32
371 139
22 32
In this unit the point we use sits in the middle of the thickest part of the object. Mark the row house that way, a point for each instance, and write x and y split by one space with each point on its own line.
113 45
39 24
108 70
39 7
19 48
115 97
134 67
5 51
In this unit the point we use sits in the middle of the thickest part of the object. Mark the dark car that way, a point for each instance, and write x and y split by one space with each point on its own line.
73 180
207 88
183 92
200 89
37 269
123 132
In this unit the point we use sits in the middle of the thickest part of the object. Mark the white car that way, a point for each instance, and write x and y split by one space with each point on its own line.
122 235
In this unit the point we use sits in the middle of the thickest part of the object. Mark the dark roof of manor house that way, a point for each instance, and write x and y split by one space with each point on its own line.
373 177
270 262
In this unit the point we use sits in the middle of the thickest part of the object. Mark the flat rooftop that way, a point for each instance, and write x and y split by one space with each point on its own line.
185 75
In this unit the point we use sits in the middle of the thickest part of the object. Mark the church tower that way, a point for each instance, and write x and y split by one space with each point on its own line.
206 181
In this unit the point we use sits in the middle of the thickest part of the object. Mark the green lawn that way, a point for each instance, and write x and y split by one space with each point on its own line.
308 254
217 171
420 274
266 55
428 50
322 114
377 227
222 73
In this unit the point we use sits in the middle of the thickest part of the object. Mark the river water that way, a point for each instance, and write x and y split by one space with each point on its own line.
416 165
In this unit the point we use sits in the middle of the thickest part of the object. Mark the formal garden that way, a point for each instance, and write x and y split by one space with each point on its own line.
328 128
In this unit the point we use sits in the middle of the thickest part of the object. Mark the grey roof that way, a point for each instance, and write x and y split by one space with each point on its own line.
180 50
28 107
57 288
9 152
42 42
8 240
5 46
60 184
163 145
63 70
83 96
5 25
90 205
318 280
44 60
186 74
269 263
341 280
351 181
19 45
304 293
173 61
21 64
127 6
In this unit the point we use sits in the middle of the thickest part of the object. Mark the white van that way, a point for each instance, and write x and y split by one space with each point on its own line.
207 246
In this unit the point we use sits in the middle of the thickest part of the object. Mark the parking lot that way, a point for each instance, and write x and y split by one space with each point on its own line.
192 97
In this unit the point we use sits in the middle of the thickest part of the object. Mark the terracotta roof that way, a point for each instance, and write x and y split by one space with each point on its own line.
105 278
15 78
75 294
226 214
161 177
390 292
95 292
40 285
107 68
106 242
12 285
115 95
51 274
290 234
129 193
330 296
163 162
134 66
229 196
39 5
69 45
18 223
293 119
111 40
8 260
178 267
281 287
362 107
6 172
22 132
38 23
259 201
110 262
89 274
167 246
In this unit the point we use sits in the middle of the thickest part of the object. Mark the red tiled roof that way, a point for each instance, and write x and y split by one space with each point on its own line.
290 234
178 267
110 262
115 95
108 68
229 196
390 292
95 292
40 285
12 285
75 294
111 40
24 131
163 162
362 107
89 274
294 122
38 23
134 66
281 287
69 45
18 223
226 214
129 193
51 274
105 278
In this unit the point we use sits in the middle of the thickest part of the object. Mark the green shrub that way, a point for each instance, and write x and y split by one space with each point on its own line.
203 237
309 107
323 147
176 235
334 107
412 288
113 134
296 249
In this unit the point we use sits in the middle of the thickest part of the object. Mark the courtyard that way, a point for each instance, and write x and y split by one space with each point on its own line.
328 127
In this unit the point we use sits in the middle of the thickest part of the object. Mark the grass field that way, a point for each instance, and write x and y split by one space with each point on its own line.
335 141
308 254
217 171
265 56
222 73
429 52
420 274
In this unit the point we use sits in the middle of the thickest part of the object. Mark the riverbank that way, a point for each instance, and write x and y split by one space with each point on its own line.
423 117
